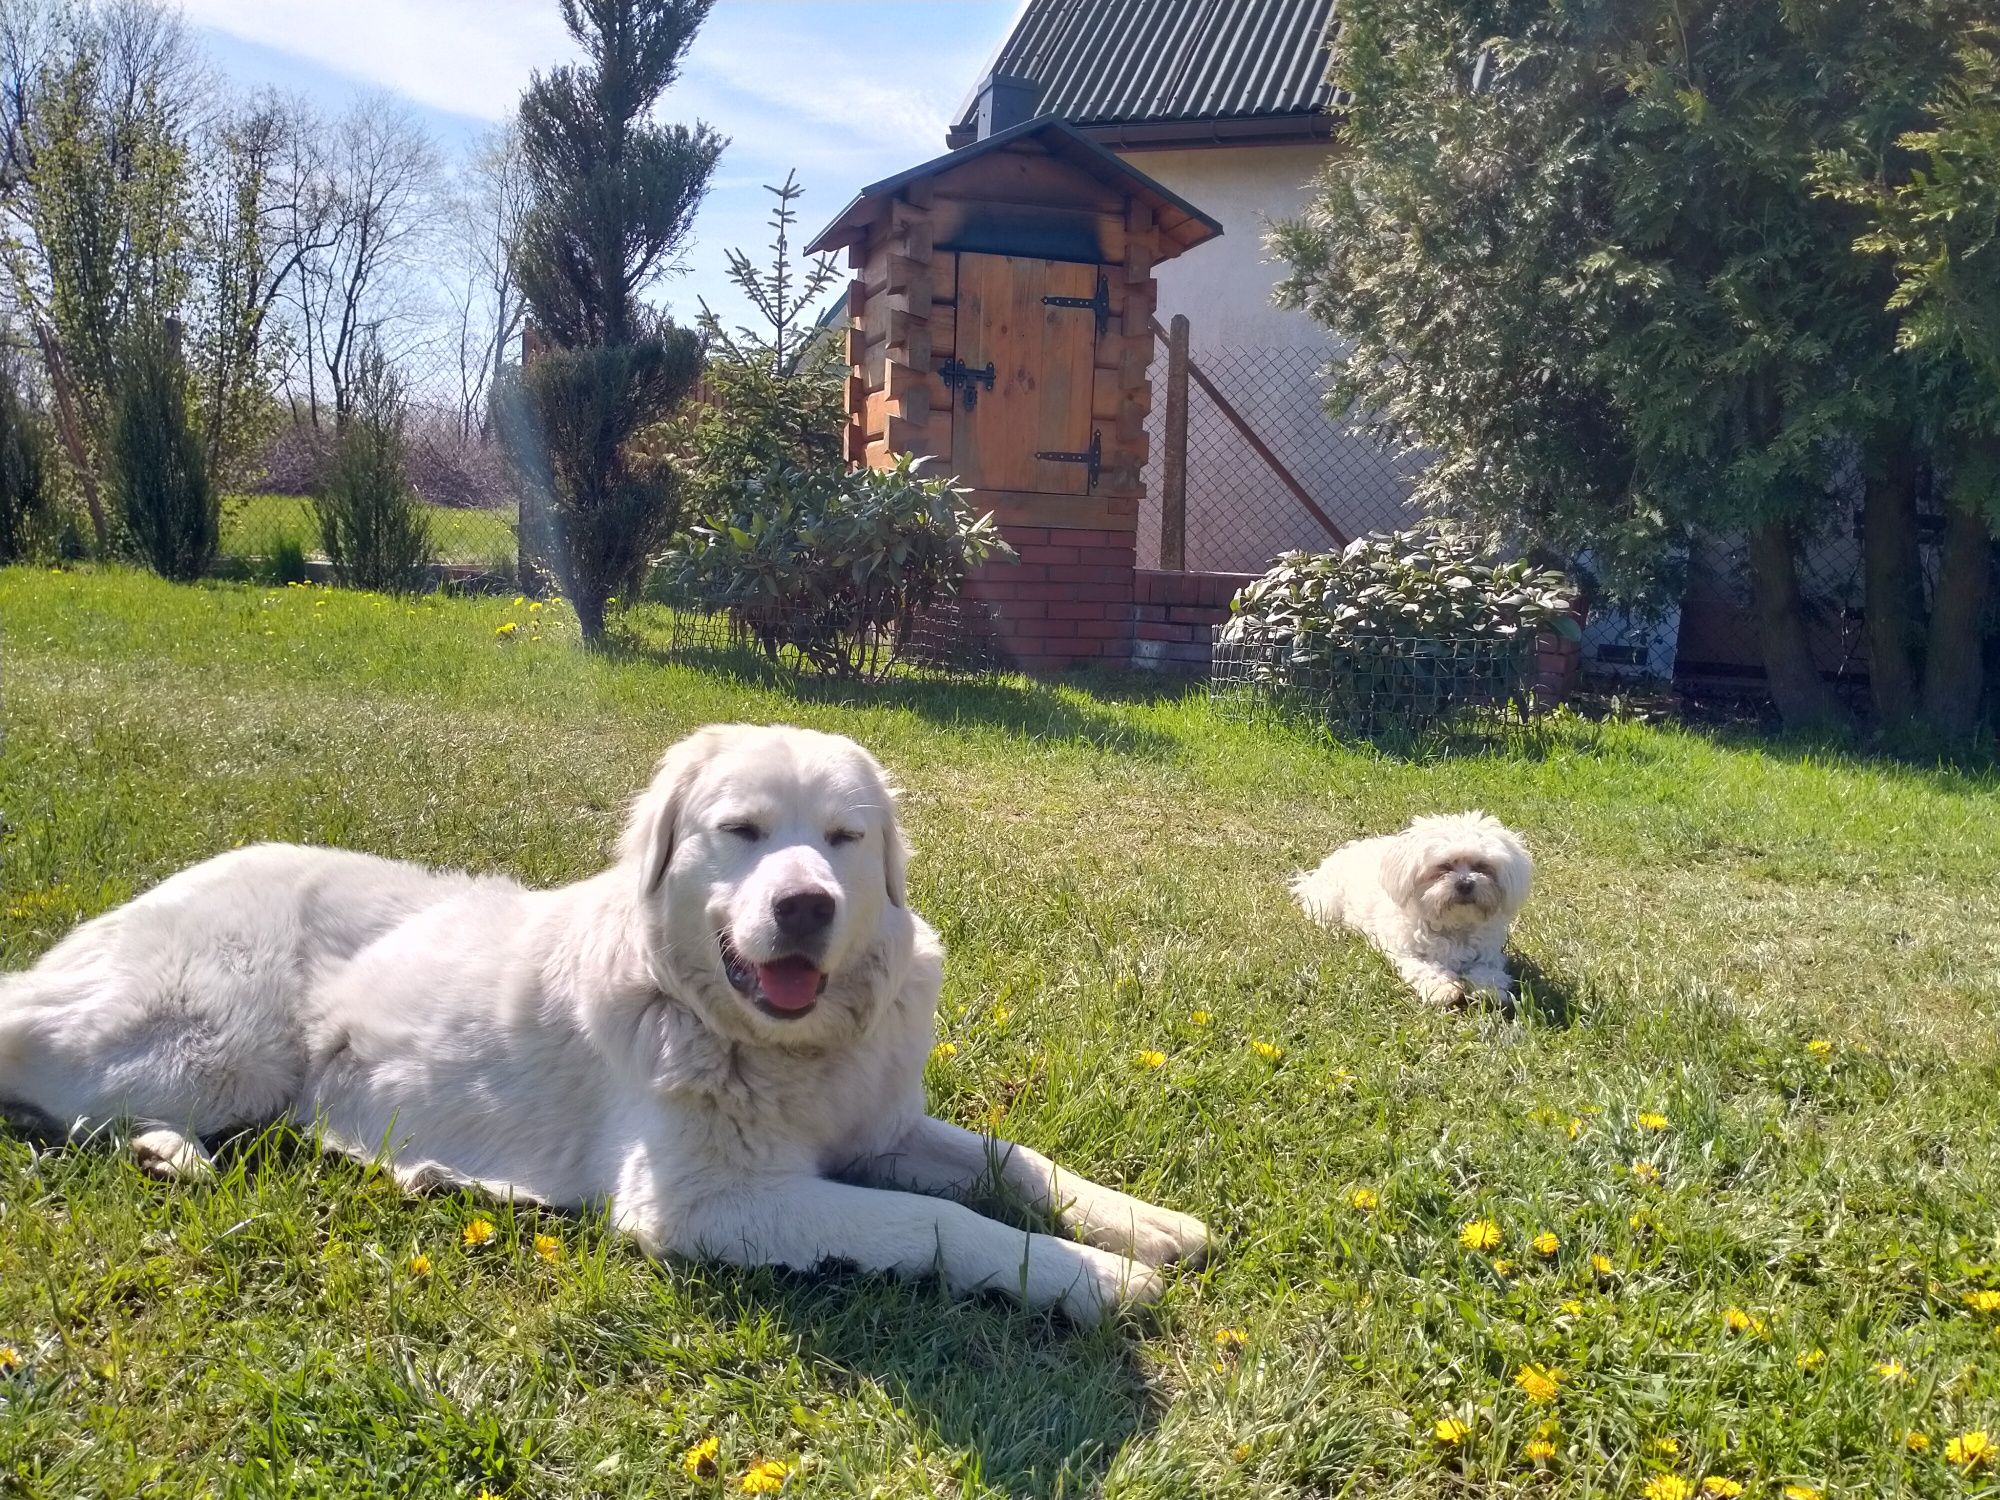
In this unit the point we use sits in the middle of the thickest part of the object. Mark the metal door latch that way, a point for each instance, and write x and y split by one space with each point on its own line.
956 373
1094 459
1099 305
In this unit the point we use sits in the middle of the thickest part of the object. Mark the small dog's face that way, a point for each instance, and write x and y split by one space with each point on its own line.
1459 871
772 870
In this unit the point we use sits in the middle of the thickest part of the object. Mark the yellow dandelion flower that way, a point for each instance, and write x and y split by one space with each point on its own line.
1601 1264
1652 1119
992 1115
1265 1050
1200 1017
1365 1199
1539 1382
1716 1487
1671 1447
1801 1492
1638 1223
1667 1487
1736 1320
765 1477
699 1461
419 1266
1479 1234
1503 1268
1916 1442
1546 1243
1241 1453
1451 1432
1895 1372
485 1494
1539 1450
1970 1449
506 630
1984 1301
1572 1308
1000 1014
10 1359
1644 1171
944 1050
1575 1126
1230 1338
1812 1359
1150 1057
478 1232
519 600
548 1247
534 606
1820 1048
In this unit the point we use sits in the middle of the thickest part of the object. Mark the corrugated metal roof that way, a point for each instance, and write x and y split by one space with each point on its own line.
1133 62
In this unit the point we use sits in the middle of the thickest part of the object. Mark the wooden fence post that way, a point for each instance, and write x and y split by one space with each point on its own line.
1173 462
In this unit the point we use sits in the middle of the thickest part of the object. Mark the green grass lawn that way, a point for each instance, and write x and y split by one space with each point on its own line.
252 525
1792 960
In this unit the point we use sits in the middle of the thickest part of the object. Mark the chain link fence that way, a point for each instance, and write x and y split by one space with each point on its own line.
1262 456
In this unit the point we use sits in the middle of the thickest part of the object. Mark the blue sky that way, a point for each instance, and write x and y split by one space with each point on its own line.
847 91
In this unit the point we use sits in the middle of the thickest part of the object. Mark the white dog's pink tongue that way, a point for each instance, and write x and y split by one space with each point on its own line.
790 983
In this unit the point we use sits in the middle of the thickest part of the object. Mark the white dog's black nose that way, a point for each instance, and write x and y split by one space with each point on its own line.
804 914
1465 885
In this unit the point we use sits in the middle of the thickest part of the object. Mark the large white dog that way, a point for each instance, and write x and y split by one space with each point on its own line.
721 1038
1438 899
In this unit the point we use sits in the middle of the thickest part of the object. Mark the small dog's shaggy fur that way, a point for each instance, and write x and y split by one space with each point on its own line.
1437 898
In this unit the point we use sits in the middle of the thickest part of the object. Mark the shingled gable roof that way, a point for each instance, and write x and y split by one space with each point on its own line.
1184 225
1134 73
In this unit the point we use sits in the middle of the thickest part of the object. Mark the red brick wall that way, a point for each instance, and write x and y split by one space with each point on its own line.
1067 602
1173 615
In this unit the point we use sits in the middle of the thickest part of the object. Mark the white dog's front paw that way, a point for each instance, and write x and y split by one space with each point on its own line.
169 1155
1446 991
1106 1282
1160 1237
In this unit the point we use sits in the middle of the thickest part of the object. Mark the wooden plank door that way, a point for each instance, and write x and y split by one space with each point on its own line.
1042 360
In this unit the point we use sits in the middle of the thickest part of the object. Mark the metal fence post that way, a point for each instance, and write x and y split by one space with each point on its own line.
1173 462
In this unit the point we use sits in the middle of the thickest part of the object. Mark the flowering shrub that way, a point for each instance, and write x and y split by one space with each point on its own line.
834 567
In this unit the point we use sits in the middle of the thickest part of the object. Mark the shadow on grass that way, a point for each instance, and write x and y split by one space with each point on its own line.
1080 708
1547 999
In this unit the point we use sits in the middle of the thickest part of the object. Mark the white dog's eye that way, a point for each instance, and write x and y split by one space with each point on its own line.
749 832
839 836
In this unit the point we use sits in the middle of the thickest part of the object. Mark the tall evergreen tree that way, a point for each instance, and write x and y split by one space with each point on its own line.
612 198
1580 252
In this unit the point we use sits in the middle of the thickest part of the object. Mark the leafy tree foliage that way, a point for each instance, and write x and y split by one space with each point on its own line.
612 198
375 530
158 470
1584 252
27 479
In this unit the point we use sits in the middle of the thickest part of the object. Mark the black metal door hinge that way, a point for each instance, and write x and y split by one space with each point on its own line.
1094 459
956 373
1099 305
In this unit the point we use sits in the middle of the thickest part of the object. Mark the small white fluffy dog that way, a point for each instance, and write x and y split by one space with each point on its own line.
721 1038
1437 898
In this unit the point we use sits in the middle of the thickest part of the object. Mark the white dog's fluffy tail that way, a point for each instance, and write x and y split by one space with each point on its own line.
15 1020
1318 893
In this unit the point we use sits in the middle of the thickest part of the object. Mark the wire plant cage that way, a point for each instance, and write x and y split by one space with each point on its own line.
1392 689
953 638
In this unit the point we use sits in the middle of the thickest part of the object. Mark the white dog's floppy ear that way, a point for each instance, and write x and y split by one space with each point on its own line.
895 858
648 841
1403 865
1515 872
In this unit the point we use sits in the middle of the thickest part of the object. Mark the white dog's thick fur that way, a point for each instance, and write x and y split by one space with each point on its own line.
1437 898
721 1038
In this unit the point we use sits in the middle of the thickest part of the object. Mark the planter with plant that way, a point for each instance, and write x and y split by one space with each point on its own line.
1398 631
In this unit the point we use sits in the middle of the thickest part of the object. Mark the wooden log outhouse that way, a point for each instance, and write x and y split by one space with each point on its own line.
1000 319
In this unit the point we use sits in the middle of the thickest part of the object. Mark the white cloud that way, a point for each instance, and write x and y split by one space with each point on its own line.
467 57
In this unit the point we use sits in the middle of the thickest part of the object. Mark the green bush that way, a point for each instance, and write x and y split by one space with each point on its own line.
1433 582
287 562
170 510
371 524
835 567
28 521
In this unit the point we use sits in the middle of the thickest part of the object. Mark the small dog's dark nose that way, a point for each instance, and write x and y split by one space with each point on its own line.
804 914
1465 885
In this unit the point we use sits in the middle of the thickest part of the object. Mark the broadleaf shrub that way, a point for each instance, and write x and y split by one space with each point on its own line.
158 472
371 523
835 567
1433 582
